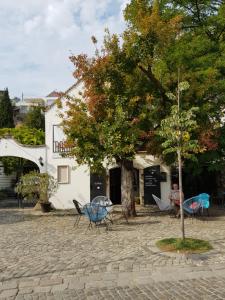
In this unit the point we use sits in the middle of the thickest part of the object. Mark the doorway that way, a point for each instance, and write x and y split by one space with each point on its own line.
11 170
115 185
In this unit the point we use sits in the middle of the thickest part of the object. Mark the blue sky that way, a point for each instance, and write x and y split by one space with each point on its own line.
38 36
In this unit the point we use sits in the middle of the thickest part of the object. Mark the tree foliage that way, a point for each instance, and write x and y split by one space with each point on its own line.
6 110
141 66
129 81
24 135
176 131
35 118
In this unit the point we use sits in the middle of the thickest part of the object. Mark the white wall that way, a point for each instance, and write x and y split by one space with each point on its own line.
79 178
9 147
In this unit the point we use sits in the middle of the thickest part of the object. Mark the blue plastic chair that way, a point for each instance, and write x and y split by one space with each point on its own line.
103 201
107 203
204 200
197 203
95 213
192 205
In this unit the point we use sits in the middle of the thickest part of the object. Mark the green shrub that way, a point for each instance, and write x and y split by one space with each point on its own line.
24 135
37 185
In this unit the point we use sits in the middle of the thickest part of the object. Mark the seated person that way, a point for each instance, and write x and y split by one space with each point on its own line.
174 198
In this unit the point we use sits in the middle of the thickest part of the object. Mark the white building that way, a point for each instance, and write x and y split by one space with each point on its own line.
76 182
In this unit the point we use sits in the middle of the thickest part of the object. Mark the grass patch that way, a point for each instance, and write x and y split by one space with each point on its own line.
187 245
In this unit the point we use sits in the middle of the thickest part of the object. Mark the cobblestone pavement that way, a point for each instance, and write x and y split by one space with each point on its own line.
45 257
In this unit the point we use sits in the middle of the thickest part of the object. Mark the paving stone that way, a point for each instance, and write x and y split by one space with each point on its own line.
43 254
8 285
59 287
25 290
48 282
76 285
29 283
8 293
42 289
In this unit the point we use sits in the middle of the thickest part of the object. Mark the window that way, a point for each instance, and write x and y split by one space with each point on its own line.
63 174
59 140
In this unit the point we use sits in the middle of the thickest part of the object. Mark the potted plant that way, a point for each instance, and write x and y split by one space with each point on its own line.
38 185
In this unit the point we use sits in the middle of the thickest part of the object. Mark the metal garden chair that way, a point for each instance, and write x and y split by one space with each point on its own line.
96 214
80 212
105 202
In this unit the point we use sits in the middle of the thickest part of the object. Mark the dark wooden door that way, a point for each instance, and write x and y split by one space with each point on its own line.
115 185
151 184
98 185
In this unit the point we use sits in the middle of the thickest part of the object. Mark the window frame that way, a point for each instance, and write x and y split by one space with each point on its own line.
67 181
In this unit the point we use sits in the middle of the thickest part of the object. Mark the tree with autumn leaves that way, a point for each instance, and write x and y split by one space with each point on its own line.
128 82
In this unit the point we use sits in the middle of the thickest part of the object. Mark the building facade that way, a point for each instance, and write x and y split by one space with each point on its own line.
76 182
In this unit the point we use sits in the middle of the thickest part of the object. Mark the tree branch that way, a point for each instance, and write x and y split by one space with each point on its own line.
155 81
198 11
221 32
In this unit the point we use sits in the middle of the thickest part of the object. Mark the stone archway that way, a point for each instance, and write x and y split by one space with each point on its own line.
36 154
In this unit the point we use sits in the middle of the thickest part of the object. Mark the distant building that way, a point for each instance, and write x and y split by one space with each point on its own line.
24 105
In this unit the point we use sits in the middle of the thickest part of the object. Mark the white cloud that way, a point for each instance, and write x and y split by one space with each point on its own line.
32 24
37 37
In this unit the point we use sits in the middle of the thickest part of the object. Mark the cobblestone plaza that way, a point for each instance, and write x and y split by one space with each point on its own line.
45 257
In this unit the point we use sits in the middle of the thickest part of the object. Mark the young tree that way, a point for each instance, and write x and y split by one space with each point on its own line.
35 118
177 130
6 111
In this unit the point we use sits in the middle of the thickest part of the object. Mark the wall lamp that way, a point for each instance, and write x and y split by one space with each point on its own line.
41 161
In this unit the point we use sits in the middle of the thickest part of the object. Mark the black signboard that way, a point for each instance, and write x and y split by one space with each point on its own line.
98 185
151 184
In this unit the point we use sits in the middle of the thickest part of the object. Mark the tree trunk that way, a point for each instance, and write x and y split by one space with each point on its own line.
127 191
181 195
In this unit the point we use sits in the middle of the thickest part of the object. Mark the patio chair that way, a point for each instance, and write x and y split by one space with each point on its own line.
204 200
80 212
192 206
162 204
96 214
103 201
107 203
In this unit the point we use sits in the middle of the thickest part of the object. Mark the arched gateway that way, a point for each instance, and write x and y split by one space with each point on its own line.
37 154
